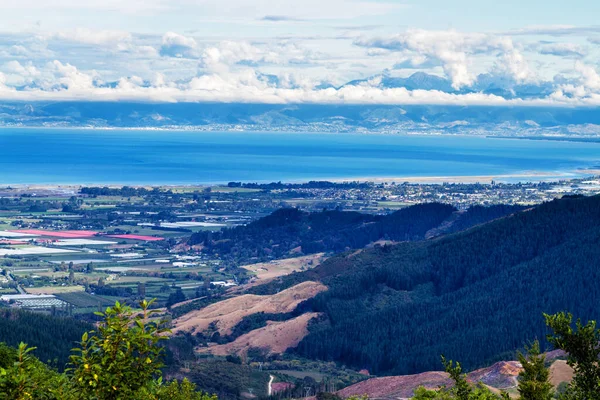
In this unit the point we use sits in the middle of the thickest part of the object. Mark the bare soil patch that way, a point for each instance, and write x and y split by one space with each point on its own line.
277 268
228 313
276 337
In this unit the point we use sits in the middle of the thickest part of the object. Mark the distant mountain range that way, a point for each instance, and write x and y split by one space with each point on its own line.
485 83
525 120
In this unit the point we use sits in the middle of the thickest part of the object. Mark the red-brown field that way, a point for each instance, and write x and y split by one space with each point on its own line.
13 242
61 234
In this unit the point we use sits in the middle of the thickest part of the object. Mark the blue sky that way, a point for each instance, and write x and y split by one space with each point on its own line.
289 51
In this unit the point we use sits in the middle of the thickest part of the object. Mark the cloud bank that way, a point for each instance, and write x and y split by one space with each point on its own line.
414 66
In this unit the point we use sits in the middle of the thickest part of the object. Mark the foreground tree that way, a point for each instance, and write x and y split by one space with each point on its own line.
122 357
533 380
22 376
582 346
121 360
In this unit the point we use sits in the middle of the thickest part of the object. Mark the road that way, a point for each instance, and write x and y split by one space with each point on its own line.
11 278
270 389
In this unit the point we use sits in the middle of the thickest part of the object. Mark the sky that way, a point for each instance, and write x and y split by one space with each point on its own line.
313 51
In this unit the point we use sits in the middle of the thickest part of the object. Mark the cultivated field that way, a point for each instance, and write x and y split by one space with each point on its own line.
55 289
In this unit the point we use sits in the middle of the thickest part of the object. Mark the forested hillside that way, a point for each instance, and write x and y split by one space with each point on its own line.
477 214
54 337
475 296
288 229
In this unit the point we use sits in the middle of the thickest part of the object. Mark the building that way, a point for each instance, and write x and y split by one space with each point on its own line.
33 301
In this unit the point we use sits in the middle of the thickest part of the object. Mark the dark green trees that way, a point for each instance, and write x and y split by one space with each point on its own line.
395 310
22 376
177 297
582 345
121 360
533 380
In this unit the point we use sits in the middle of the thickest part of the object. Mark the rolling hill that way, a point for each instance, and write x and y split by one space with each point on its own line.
288 232
474 296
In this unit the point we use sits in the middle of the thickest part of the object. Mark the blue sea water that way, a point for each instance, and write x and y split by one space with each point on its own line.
71 156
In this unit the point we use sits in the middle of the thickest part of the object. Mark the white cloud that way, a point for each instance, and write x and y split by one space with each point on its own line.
554 30
27 50
17 74
513 64
417 62
176 45
589 76
281 70
586 87
454 50
69 78
88 36
145 51
594 40
377 52
228 53
562 49
248 87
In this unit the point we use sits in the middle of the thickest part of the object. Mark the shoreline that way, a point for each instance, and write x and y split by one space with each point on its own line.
229 129
533 176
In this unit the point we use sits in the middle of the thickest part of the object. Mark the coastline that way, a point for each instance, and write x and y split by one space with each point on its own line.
434 131
532 176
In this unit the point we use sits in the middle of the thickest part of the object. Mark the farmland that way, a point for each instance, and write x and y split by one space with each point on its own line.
91 247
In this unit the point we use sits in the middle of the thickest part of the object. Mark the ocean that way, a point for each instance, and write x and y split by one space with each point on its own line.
87 156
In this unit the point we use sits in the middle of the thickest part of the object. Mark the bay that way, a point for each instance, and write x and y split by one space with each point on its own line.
86 156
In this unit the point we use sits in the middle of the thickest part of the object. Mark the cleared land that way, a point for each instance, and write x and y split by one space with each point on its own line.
560 372
394 387
230 312
286 266
276 337
55 289
500 376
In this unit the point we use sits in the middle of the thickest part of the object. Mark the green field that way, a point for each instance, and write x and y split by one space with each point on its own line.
317 376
